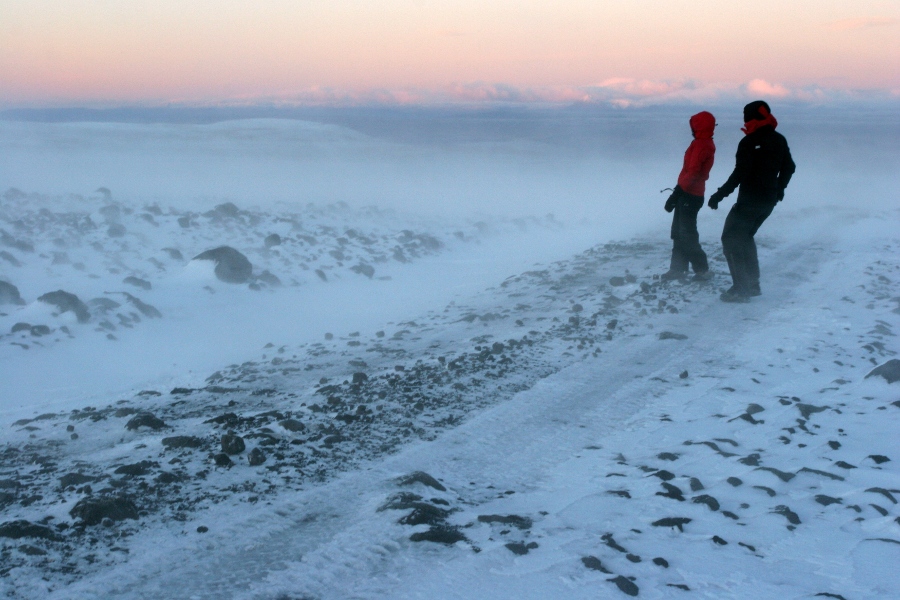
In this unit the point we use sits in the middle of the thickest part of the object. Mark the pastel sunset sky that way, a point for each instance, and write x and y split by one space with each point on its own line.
113 52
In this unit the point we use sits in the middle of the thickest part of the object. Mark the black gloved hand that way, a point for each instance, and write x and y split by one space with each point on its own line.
714 200
673 198
670 203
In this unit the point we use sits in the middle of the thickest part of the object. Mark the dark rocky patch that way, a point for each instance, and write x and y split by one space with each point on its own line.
668 335
610 541
16 328
147 420
423 478
661 562
30 550
886 493
678 522
807 410
679 586
664 475
520 548
364 269
734 481
879 458
94 509
514 520
627 586
182 441
443 534
75 479
137 469
821 473
672 491
226 210
827 500
166 477
593 563
401 501
231 265
787 513
232 444
620 493
272 240
10 258
40 330
26 529
9 294
174 253
145 309
425 514
269 278
751 460
138 282
103 305
708 500
785 477
65 302
223 460
889 370
292 425
256 457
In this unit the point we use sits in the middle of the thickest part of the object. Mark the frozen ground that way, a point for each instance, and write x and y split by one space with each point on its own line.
456 422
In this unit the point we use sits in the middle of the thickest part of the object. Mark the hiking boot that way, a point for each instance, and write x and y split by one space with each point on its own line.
754 290
703 276
671 275
735 295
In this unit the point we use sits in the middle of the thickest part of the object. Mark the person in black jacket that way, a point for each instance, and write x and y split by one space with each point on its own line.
763 169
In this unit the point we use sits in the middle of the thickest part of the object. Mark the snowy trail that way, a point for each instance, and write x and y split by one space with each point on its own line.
329 541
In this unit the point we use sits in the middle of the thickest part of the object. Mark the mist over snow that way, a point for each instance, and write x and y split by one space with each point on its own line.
405 352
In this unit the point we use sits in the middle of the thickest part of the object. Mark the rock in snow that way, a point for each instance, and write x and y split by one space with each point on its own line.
9 294
889 370
93 510
66 302
231 265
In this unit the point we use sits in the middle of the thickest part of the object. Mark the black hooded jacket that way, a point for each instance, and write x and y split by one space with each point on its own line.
763 167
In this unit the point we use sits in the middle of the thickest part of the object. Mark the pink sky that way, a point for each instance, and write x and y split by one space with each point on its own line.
66 52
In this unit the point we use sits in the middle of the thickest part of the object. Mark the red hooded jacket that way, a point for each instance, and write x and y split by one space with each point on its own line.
699 157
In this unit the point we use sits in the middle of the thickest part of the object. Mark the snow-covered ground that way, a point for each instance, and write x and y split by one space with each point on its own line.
443 406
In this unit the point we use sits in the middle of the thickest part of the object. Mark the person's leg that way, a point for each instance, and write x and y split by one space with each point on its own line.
761 213
691 248
678 266
735 235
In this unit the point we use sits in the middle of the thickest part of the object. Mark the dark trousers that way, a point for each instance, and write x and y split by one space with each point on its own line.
686 248
742 223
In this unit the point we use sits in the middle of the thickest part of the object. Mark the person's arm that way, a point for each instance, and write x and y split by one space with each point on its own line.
741 168
786 172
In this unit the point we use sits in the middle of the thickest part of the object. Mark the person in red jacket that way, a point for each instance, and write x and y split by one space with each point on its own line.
687 200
